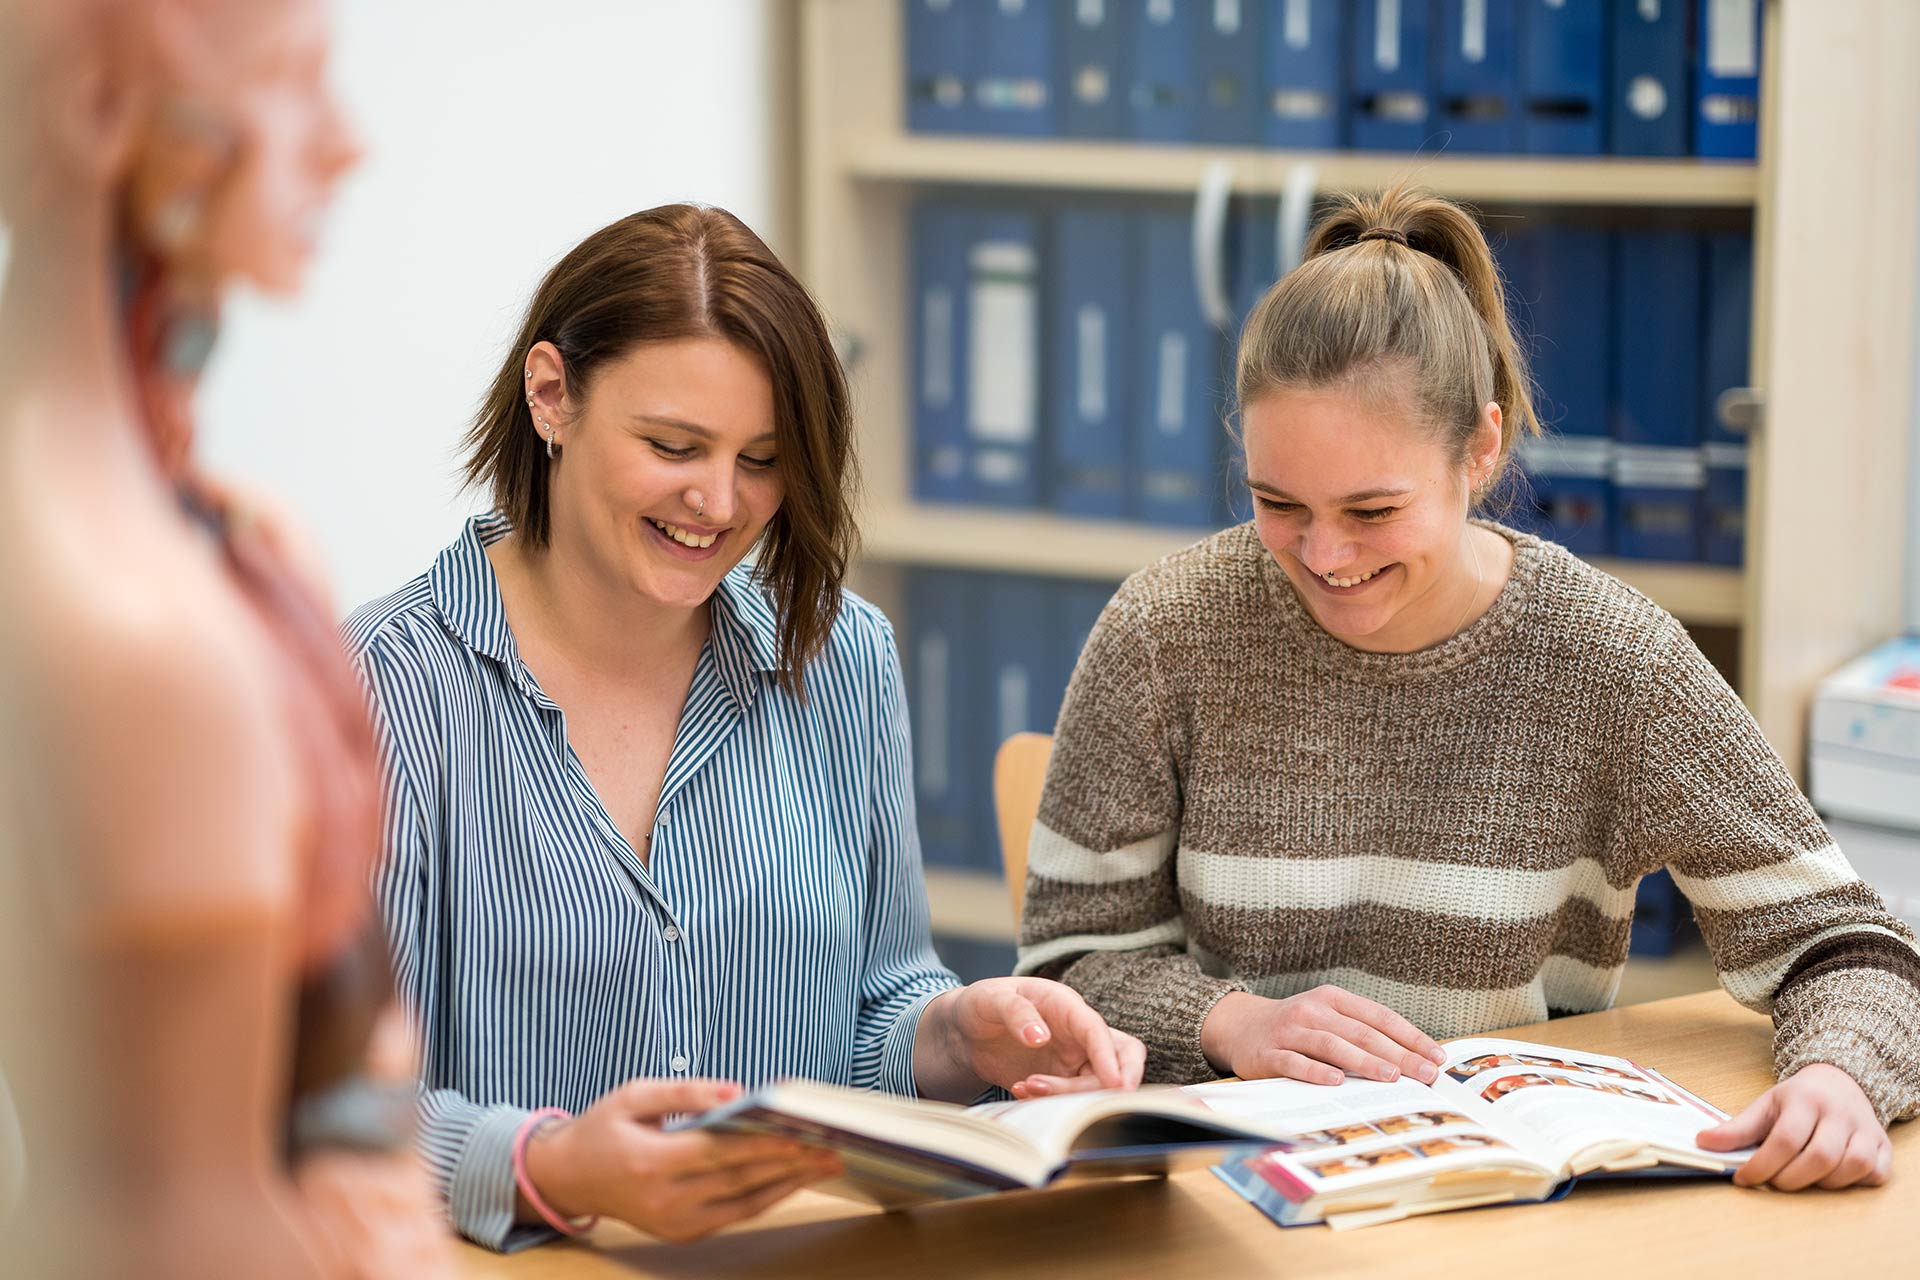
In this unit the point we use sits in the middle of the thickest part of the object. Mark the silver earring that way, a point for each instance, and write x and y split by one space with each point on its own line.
551 451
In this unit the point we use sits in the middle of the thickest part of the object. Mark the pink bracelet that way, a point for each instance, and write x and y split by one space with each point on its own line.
525 1183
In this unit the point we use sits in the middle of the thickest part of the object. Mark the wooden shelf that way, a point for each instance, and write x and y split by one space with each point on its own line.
1145 168
1059 546
970 904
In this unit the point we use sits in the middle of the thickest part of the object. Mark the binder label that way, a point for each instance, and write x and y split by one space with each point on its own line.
1011 695
1473 30
1386 34
1226 17
936 334
936 770
1091 13
1297 24
1160 12
1649 10
1170 406
1733 38
1090 332
1003 332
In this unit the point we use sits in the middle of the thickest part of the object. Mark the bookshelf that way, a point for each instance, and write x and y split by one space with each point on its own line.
1835 201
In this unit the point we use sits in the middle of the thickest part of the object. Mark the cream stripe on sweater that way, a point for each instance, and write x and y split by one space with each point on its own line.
1239 801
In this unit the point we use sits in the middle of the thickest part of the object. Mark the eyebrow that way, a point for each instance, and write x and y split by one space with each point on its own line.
1365 495
694 428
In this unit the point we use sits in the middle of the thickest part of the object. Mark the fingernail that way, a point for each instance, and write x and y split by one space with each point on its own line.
1438 1054
1389 1074
1035 1033
1428 1074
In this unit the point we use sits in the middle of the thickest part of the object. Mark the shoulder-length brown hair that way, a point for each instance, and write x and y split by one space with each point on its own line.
683 271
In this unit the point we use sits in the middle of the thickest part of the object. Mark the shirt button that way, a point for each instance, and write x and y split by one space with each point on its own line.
670 933
660 818
679 1062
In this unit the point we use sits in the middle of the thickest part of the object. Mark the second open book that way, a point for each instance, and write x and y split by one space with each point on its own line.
1506 1120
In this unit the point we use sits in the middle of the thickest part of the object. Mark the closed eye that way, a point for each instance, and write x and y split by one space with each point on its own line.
1273 504
666 450
1375 513
758 464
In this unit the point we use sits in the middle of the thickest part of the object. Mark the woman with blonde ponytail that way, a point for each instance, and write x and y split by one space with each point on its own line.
1370 769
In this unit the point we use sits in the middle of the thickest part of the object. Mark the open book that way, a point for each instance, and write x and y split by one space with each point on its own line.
1506 1120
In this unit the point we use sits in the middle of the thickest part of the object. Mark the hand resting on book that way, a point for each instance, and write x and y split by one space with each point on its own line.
1317 1036
1815 1128
1031 1036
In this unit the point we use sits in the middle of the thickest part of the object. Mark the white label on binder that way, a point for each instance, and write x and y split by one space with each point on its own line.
1003 341
1649 10
935 769
1090 330
1386 34
1298 22
1226 17
1011 691
1733 37
1013 6
1160 12
1091 12
1473 30
1171 403
936 336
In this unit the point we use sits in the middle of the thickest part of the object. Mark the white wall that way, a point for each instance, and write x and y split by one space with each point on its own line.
499 134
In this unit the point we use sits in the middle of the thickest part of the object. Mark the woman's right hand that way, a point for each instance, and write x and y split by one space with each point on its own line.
1319 1036
613 1159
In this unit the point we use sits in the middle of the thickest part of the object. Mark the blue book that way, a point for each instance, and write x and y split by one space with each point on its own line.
1558 278
1227 47
1176 433
1090 318
945 670
1726 122
1390 75
943 61
942 234
1480 75
1022 688
1657 474
1164 100
1252 262
1651 101
1093 95
1014 91
1080 604
1002 395
1303 89
1563 77
1729 306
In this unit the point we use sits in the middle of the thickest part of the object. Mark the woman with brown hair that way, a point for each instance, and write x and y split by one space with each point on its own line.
650 825
1368 770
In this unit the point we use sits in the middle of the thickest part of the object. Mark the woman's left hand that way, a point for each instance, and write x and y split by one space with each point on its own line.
1031 1036
1815 1128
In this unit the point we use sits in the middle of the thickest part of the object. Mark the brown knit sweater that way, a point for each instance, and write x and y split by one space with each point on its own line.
1238 801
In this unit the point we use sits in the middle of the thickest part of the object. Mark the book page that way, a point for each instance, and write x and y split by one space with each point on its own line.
1362 1132
1563 1102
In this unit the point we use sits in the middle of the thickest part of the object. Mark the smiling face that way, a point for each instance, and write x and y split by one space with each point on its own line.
1365 510
667 473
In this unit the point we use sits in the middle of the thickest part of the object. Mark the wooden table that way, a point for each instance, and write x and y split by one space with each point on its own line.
1193 1225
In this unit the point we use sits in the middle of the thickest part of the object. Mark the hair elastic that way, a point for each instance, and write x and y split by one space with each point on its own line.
1381 233
525 1183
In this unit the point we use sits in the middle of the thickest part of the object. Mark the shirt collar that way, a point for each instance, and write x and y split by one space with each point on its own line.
744 636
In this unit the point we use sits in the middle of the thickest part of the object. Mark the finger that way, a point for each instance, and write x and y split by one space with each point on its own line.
1388 1051
1095 1039
1821 1155
687 1154
1336 1051
1860 1162
649 1099
1389 1023
1745 1129
755 1202
1785 1140
1133 1059
1044 1086
702 1190
1019 1016
1286 1064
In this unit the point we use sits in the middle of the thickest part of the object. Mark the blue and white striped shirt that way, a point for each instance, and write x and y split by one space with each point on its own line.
779 926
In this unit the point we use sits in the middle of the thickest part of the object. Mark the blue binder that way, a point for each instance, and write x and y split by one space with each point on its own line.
1093 96
1176 450
1303 91
1391 78
1558 277
1727 80
1227 47
1652 94
945 669
1657 474
1090 318
1023 681
1563 77
1729 305
1480 74
1253 257
943 61
1163 99
1002 396
1080 606
1014 93
941 236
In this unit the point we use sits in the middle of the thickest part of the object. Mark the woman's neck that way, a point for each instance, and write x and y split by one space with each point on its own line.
1474 582
604 633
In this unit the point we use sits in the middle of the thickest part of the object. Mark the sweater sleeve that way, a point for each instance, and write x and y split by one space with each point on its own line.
1793 931
1103 907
